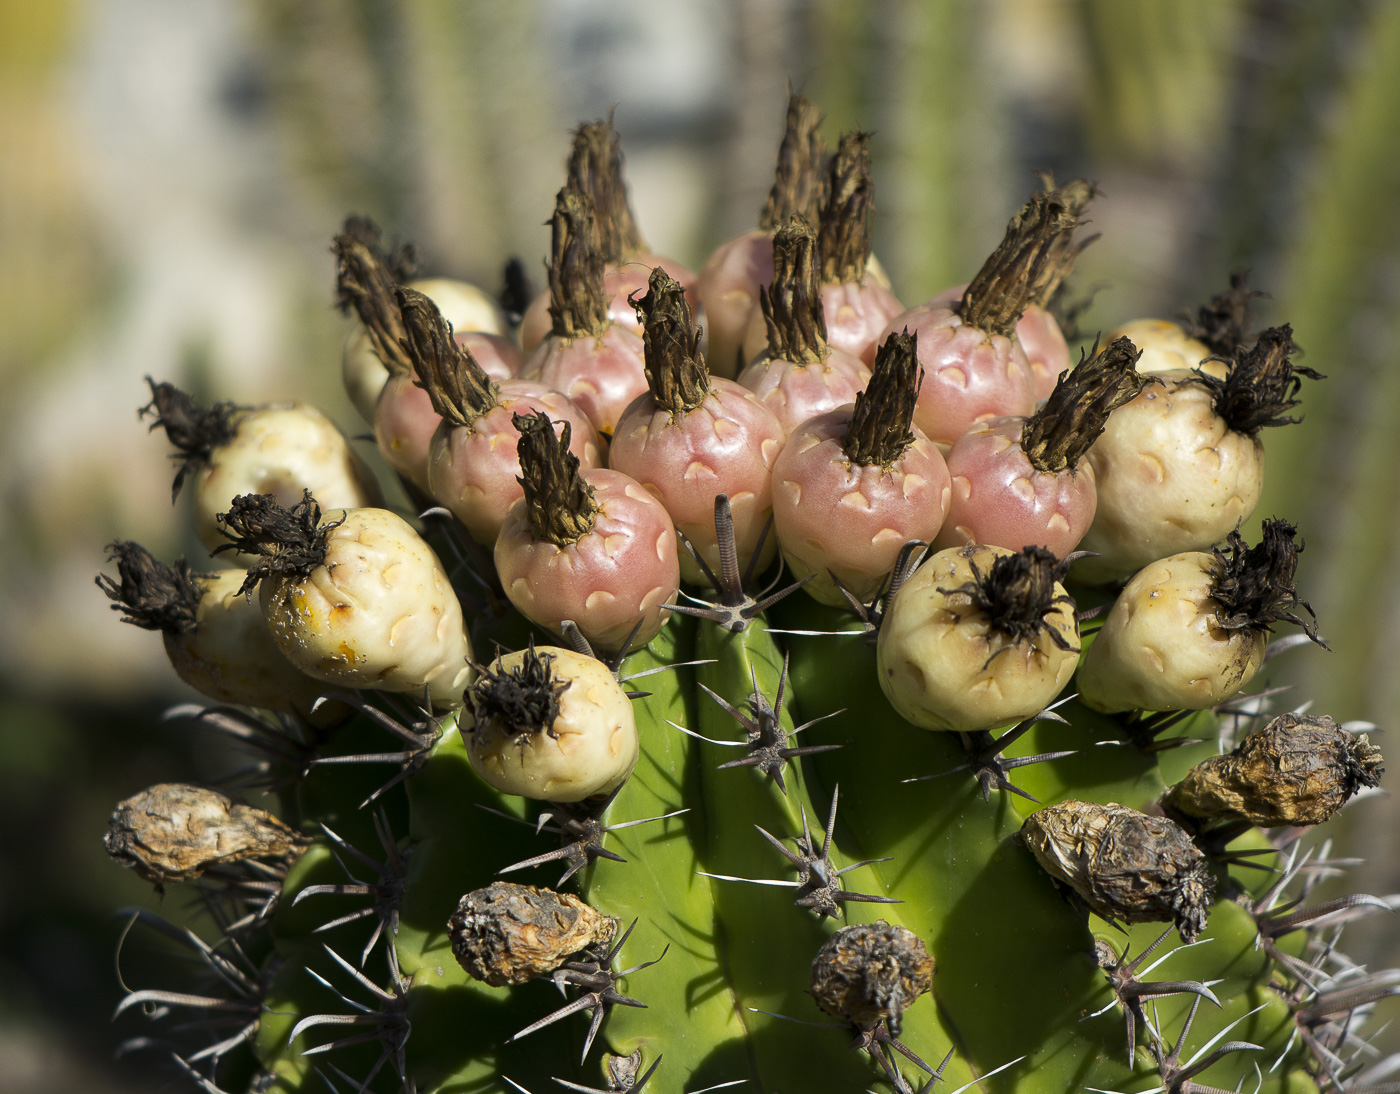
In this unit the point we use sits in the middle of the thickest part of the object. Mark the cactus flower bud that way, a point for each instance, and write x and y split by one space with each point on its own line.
508 933
1122 864
1297 770
550 724
869 972
174 832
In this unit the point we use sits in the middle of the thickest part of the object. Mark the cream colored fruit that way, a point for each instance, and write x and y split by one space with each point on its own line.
281 449
591 750
462 304
1172 476
230 655
379 612
943 666
1166 347
1161 647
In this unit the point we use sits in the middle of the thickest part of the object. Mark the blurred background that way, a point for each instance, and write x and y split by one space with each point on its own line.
173 172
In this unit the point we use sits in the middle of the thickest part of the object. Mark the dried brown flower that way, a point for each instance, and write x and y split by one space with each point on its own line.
174 832
508 933
870 972
1296 770
1122 864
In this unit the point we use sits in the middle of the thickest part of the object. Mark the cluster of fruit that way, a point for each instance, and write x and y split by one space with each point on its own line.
948 490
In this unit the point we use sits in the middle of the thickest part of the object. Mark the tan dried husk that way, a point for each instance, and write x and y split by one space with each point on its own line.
508 933
1124 865
175 832
1297 770
870 972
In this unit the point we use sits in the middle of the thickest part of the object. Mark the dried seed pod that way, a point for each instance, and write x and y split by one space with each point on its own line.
550 724
1122 864
1297 770
508 933
174 832
869 972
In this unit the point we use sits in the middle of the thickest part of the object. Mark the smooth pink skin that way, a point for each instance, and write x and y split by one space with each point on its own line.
404 424
797 392
969 376
1000 499
624 569
729 286
618 282
499 357
857 314
601 375
835 516
474 472
726 445
1045 348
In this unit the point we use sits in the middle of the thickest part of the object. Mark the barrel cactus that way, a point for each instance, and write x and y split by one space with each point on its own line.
604 802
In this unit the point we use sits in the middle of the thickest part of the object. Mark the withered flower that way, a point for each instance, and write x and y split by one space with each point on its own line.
1297 770
870 972
174 832
1122 864
508 933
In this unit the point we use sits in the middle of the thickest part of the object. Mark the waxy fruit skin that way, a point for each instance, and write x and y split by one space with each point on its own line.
601 375
230 655
795 392
943 666
1161 647
624 570
999 498
1167 348
837 517
590 748
1171 477
282 449
379 612
969 375
728 445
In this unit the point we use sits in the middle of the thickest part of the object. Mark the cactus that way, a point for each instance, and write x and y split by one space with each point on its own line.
789 878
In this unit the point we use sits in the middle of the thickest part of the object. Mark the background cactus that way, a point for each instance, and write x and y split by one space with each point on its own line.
1272 130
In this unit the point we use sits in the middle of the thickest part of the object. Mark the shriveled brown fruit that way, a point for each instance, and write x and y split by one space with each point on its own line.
508 933
175 831
1122 864
869 972
1298 769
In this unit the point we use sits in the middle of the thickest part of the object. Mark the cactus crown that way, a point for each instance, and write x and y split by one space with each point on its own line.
560 503
799 181
595 169
881 426
194 430
843 232
996 297
578 302
1223 324
792 304
366 277
1017 594
1253 586
675 367
148 593
290 542
524 697
1057 436
460 390
1261 385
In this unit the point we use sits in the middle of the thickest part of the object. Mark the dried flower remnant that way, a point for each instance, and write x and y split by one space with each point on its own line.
1297 770
1122 864
871 972
508 933
175 831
